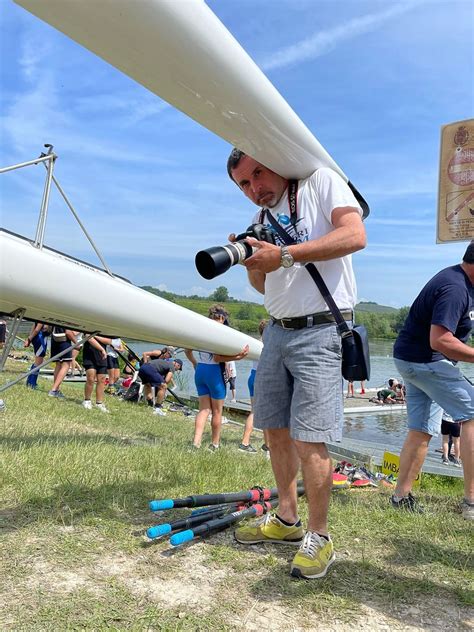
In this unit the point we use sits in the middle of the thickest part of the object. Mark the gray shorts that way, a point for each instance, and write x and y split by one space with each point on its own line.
299 385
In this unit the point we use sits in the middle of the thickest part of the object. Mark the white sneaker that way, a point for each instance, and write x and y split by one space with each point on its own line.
159 411
87 404
102 407
233 401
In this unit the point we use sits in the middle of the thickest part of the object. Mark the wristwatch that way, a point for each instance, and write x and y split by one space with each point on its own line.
286 259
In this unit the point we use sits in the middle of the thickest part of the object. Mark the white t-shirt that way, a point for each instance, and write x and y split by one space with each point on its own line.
291 292
231 370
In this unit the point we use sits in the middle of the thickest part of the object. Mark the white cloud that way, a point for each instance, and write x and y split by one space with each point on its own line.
323 42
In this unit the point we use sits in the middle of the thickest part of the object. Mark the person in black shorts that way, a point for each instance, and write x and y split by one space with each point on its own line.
451 433
158 374
113 368
94 360
61 339
3 331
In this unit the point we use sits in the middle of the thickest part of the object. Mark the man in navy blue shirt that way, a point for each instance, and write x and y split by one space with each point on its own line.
434 337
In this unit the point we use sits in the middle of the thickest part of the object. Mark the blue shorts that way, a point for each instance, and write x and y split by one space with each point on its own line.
209 381
432 388
298 384
150 375
40 344
251 382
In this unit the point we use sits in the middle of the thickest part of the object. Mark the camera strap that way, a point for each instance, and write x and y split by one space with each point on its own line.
342 326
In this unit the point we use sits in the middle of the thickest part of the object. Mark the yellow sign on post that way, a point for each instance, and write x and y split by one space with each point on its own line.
456 183
391 465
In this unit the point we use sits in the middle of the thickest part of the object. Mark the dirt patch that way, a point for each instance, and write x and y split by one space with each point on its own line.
186 582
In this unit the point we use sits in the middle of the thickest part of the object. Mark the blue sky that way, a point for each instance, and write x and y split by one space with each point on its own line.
373 80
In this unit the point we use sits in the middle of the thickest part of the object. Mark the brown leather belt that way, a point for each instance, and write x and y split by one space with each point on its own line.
300 322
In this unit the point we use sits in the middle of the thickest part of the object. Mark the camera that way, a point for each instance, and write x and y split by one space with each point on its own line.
218 259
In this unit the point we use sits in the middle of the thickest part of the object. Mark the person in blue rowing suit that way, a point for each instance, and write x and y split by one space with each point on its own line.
298 385
61 340
210 384
434 337
94 360
245 445
157 374
38 337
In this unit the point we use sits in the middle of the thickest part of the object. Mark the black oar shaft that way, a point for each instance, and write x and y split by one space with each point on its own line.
221 523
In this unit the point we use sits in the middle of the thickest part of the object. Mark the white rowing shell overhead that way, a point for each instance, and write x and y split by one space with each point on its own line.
180 50
77 295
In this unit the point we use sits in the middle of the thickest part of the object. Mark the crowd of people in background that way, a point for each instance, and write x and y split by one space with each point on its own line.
151 375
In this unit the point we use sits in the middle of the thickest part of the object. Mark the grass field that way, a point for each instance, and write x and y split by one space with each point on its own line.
74 493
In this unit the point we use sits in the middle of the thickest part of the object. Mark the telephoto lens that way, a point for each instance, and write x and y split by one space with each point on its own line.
216 260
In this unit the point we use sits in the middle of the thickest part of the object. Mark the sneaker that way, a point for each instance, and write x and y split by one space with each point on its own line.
56 394
467 510
269 528
456 462
265 450
315 556
224 421
233 401
213 447
247 448
87 404
102 407
445 460
159 411
408 503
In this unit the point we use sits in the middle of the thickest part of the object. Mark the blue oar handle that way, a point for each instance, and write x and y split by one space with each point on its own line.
160 505
182 537
158 531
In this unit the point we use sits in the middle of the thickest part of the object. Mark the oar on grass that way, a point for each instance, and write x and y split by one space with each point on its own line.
254 495
257 509
191 521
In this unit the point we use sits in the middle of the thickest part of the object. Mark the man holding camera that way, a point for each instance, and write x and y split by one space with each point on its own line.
298 389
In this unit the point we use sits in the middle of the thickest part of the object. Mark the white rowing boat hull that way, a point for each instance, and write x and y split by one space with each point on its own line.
180 50
53 287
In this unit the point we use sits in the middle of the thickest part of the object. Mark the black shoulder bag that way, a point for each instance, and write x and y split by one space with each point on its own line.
355 341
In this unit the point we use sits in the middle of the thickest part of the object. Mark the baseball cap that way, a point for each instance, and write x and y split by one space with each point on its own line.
179 363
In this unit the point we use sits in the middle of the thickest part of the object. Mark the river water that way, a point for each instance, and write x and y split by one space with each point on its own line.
389 428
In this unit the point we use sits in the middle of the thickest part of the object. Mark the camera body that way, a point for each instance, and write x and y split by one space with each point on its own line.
215 261
258 231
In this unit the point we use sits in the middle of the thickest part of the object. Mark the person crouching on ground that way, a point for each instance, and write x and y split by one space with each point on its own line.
94 360
157 374
298 385
432 340
210 385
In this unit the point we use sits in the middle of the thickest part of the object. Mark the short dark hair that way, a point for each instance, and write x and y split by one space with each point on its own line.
469 254
235 157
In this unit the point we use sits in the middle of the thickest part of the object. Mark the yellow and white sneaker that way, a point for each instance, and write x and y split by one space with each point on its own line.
269 529
315 556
